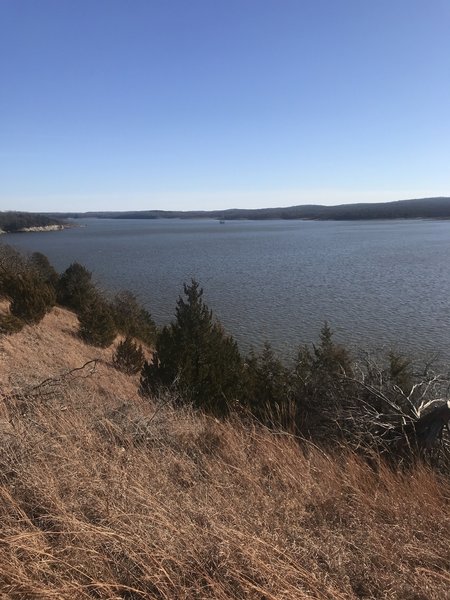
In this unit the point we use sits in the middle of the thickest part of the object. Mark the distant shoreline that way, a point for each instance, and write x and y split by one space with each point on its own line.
37 228
43 228
421 208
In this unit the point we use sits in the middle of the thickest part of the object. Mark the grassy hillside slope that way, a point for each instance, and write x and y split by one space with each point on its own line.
107 495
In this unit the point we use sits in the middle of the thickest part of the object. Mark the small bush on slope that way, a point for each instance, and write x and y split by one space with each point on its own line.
75 288
321 386
30 296
97 325
132 319
267 389
40 264
129 357
10 324
31 299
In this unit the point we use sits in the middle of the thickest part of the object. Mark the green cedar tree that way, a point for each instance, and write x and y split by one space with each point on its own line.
132 319
194 355
75 288
129 357
96 324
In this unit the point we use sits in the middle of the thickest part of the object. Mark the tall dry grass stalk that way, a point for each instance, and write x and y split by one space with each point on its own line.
105 495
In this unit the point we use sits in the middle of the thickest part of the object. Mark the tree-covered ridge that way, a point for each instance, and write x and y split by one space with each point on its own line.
422 208
12 221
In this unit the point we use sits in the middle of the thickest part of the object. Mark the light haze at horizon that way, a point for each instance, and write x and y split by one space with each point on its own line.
209 105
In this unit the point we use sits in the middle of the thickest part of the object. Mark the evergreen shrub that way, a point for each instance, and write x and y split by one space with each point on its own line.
40 264
196 357
129 357
75 288
132 319
10 324
96 324
30 298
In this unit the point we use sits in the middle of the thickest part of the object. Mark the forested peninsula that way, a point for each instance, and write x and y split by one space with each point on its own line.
15 222
421 208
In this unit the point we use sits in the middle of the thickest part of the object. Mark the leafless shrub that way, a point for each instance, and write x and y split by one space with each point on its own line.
401 425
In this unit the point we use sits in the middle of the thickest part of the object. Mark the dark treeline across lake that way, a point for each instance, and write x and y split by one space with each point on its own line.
379 284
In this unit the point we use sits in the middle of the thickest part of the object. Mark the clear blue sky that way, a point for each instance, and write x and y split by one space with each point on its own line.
202 104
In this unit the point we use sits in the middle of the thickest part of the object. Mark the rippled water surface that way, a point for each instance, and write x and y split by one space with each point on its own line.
379 284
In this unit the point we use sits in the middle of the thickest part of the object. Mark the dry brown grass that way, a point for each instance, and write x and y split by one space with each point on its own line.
52 348
105 496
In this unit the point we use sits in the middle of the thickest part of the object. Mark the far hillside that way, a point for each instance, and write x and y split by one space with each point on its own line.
422 208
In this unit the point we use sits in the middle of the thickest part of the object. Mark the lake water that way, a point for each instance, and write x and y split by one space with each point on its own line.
379 284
